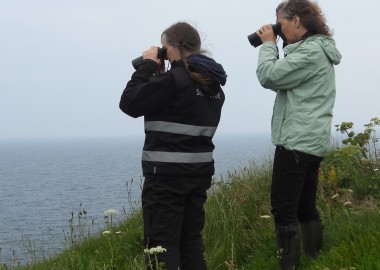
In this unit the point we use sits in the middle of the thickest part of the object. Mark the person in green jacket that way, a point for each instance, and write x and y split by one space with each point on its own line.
304 81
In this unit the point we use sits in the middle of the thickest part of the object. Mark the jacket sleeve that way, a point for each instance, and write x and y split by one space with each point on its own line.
146 93
286 73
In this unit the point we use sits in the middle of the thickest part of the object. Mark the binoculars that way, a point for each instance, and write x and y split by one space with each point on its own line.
256 41
160 55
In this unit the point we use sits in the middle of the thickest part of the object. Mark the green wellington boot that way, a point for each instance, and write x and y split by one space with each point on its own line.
289 246
312 237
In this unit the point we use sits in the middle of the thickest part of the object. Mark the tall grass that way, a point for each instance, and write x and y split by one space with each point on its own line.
239 232
237 222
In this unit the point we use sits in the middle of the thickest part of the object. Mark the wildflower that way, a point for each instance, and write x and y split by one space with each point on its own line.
376 170
110 212
347 203
265 216
155 250
334 196
106 232
119 232
350 190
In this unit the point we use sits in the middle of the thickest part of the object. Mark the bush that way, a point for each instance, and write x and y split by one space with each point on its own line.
355 165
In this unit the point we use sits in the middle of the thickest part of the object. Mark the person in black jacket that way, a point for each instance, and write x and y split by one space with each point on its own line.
181 109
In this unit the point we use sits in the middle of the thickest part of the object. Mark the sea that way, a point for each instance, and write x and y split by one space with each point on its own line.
55 191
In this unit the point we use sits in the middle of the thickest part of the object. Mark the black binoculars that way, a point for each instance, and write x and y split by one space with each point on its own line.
256 41
161 54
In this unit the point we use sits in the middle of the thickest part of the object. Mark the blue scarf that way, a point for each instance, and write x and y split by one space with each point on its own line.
211 65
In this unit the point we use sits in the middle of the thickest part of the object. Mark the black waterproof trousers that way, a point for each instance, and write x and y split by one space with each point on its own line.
174 217
294 187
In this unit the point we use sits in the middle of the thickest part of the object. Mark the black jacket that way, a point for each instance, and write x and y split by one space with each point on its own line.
180 117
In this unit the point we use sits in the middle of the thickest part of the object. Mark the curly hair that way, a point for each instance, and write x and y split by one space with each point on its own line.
309 12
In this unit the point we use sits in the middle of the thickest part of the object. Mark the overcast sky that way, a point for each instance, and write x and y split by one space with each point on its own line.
64 64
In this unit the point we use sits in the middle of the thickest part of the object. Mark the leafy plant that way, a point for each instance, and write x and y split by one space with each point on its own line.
354 165
366 140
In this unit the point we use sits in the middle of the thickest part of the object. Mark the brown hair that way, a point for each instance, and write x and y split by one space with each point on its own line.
186 38
310 14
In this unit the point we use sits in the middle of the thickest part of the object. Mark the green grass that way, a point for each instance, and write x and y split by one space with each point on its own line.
238 233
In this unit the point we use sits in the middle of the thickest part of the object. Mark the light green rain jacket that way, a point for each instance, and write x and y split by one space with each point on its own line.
304 81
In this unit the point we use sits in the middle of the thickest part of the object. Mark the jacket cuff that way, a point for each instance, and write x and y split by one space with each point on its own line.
149 64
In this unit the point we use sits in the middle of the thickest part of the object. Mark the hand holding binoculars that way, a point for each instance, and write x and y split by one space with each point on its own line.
161 54
255 40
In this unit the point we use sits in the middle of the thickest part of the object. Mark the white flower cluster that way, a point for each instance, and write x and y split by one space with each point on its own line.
110 212
155 250
109 232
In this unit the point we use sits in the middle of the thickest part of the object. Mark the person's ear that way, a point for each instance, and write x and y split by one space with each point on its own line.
297 21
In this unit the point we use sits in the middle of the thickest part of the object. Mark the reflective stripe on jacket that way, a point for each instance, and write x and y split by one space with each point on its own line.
179 121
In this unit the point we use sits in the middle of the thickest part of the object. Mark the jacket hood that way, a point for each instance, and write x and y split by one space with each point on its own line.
215 69
326 43
328 46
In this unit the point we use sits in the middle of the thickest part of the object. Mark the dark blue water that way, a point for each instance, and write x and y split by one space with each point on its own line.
44 184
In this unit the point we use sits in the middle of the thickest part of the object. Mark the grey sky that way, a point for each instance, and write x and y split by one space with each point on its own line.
64 64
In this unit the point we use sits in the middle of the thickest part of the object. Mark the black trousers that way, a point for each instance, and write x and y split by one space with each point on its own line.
294 187
173 213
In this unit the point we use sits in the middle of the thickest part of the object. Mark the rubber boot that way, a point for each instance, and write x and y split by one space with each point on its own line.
312 237
289 246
